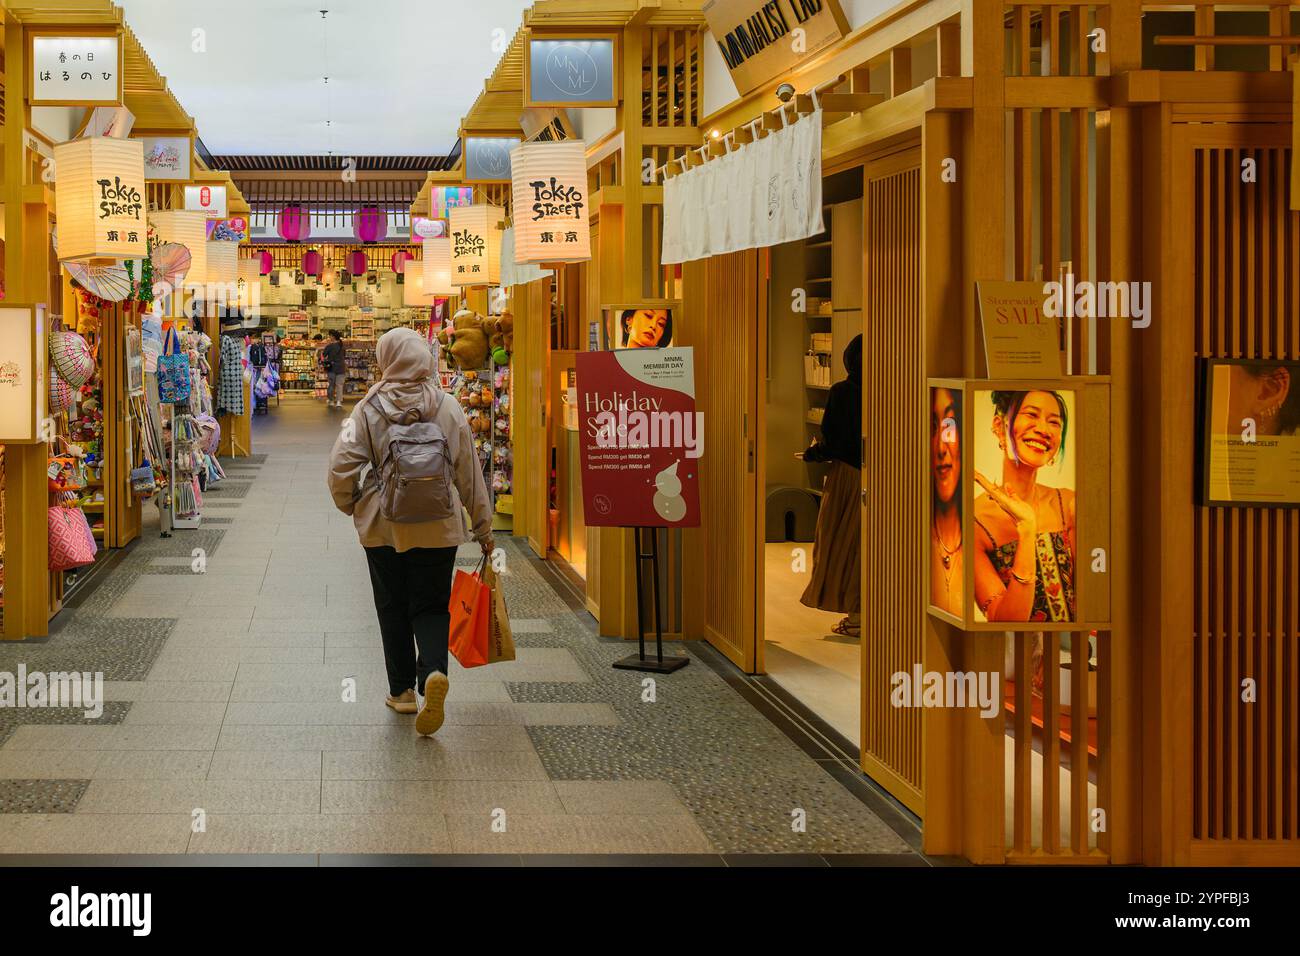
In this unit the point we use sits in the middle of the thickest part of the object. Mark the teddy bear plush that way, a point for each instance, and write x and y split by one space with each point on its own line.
466 340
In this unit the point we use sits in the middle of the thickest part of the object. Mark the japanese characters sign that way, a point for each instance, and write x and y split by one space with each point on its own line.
76 70
550 202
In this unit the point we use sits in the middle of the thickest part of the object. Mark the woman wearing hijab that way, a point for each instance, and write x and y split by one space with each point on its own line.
411 562
836 583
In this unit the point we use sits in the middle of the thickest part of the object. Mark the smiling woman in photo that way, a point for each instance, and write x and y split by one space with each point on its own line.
1025 530
945 513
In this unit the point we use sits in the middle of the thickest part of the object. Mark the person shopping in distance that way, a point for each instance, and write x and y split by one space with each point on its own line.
402 466
332 356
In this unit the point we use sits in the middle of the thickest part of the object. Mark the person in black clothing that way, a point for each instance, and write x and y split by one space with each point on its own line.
837 559
332 356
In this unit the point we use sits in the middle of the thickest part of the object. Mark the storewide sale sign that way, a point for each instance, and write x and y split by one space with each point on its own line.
641 438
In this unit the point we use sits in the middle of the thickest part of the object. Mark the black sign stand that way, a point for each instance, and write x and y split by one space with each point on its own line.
639 662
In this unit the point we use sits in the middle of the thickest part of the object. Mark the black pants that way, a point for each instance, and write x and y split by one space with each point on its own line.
412 589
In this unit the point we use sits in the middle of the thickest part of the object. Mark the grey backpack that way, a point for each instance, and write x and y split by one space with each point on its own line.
414 471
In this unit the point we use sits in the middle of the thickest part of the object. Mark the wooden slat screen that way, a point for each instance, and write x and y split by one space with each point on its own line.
1246 756
893 368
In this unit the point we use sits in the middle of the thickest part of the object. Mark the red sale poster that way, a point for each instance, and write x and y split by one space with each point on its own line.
641 438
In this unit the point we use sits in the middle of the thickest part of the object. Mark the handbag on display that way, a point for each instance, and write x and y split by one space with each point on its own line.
173 371
71 357
61 394
72 544
143 482
66 472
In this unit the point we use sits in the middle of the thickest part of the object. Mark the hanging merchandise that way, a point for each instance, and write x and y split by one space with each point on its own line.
171 263
61 394
143 482
476 245
71 542
230 377
67 471
71 358
173 371
549 186
190 230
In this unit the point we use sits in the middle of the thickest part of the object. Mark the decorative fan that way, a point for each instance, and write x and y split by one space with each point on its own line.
171 261
106 282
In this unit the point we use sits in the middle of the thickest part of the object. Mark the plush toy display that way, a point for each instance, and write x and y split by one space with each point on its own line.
501 337
466 341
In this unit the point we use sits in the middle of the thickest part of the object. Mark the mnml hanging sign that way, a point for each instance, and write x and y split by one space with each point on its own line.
76 68
761 39
550 214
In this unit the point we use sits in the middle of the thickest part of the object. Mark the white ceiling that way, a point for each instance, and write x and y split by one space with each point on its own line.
401 72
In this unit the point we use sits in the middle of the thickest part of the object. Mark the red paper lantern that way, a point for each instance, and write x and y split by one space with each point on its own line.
265 262
313 263
400 259
294 224
357 263
370 224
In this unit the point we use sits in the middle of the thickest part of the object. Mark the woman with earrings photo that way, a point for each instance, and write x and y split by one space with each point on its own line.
1025 528
946 558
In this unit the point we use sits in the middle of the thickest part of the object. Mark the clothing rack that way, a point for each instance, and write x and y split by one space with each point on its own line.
802 103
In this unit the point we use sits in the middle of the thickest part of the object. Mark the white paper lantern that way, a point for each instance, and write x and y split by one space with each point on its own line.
223 261
190 229
250 270
413 291
476 245
549 185
99 199
437 266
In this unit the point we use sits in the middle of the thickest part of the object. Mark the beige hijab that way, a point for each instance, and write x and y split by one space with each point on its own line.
407 390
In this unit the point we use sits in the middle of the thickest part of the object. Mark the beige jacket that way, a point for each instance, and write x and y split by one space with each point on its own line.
406 364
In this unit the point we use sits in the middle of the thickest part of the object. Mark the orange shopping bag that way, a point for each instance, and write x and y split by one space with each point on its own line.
470 607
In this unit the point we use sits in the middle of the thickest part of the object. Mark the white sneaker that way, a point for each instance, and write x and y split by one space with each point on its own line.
431 715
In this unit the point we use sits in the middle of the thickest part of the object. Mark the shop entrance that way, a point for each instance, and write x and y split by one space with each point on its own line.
811 626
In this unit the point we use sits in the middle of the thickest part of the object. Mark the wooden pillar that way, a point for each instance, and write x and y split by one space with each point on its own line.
984 214
945 332
27 580
1119 785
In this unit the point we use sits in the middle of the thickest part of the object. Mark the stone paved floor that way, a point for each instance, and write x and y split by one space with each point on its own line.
225 707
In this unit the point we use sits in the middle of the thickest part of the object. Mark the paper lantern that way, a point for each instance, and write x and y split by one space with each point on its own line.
414 291
312 263
356 263
437 267
189 229
549 187
223 261
399 261
250 270
99 199
294 224
265 262
476 245
370 224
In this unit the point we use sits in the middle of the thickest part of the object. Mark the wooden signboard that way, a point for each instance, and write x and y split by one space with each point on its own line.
75 68
762 39
23 373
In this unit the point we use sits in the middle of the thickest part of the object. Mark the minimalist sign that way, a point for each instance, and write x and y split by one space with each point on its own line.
166 157
487 158
641 438
22 373
71 71
573 71
758 40
206 199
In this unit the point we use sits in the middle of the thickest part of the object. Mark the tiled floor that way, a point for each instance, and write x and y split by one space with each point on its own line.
228 731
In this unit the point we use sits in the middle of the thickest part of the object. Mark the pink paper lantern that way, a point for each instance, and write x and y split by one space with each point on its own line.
400 259
370 224
294 224
265 262
313 263
357 263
